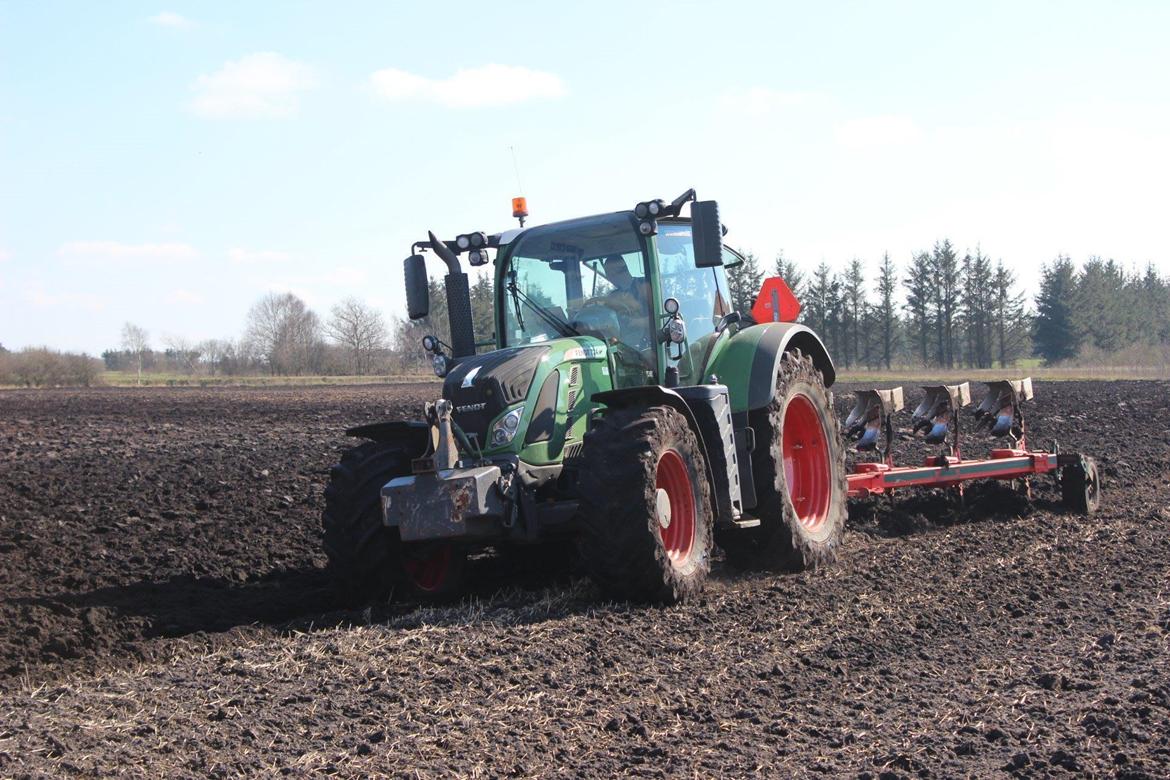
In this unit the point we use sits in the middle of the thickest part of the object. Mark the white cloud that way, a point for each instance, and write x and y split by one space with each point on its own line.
487 85
38 297
877 131
4 254
184 296
264 85
117 251
257 256
760 101
172 20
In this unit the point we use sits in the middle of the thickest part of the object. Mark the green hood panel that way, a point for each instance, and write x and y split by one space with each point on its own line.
552 381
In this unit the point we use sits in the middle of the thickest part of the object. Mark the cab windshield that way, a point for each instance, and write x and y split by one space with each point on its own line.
585 277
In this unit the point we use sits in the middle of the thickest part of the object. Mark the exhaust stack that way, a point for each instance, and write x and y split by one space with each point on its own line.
458 301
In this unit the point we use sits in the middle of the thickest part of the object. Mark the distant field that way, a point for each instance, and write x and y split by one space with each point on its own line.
1056 374
905 375
130 378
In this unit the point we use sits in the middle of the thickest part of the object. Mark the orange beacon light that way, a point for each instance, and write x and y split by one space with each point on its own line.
520 209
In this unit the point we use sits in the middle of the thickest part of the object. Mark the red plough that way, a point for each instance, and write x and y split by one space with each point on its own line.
937 419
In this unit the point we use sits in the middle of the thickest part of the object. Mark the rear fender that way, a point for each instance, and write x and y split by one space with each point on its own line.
411 434
749 362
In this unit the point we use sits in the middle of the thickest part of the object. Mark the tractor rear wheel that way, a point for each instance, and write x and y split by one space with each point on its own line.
646 512
1080 486
799 472
366 558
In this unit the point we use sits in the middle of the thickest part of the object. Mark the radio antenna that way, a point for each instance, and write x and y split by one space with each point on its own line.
516 168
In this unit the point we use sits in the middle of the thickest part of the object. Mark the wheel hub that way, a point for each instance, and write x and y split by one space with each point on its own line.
662 508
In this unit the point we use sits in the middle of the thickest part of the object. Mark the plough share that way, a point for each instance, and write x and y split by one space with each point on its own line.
938 420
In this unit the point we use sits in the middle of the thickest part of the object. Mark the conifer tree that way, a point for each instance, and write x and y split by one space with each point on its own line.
921 292
788 271
885 312
1055 330
744 281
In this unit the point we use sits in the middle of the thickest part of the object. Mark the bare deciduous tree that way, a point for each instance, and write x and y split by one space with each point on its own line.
286 333
184 353
212 352
360 329
136 341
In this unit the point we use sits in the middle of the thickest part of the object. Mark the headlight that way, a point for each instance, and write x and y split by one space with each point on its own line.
439 362
676 331
505 428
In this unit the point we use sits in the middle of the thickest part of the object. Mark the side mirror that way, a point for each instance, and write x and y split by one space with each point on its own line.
707 233
418 299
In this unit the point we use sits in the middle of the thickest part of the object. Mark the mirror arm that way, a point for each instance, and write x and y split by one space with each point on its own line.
677 204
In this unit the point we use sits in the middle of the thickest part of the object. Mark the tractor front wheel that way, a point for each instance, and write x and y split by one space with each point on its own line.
799 473
646 512
366 558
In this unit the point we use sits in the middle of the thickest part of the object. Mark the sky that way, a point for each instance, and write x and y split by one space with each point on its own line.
168 164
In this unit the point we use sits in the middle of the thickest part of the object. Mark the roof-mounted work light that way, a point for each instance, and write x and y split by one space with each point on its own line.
477 240
650 209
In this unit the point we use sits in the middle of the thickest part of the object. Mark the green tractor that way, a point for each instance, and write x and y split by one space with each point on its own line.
625 407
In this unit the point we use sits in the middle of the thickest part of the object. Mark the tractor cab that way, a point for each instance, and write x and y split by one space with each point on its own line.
643 297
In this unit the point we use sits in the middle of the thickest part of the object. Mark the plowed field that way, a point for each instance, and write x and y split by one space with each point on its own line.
163 611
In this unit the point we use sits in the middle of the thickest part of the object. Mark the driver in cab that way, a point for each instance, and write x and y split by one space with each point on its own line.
630 300
629 294
620 314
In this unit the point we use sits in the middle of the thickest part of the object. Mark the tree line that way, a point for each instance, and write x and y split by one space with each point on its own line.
940 309
948 310
1099 310
44 367
282 336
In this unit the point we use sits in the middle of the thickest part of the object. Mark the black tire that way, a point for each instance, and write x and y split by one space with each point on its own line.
543 563
366 558
623 518
782 541
1080 486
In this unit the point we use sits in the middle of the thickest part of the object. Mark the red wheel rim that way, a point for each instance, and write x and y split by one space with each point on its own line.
806 462
428 567
675 507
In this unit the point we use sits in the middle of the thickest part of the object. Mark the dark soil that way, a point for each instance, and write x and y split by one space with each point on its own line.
163 608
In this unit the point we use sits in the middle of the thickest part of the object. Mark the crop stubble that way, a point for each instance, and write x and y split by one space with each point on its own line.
162 607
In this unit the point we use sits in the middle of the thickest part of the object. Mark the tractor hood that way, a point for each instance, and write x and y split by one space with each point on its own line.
481 386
